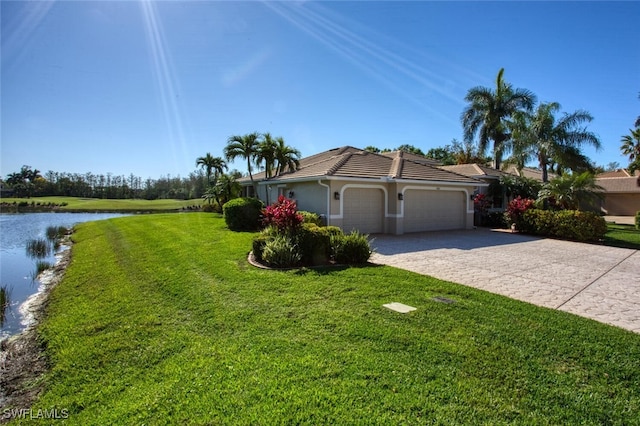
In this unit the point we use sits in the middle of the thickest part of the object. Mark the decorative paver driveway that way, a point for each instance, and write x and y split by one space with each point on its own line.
598 282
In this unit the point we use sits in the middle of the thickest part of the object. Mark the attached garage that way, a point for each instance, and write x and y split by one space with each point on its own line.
434 210
363 209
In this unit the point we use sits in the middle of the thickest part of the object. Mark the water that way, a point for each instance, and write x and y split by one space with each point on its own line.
17 269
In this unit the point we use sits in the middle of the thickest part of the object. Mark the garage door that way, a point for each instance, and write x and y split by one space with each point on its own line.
363 210
434 210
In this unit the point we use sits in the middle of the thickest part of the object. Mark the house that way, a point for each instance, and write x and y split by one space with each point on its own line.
485 174
621 192
391 193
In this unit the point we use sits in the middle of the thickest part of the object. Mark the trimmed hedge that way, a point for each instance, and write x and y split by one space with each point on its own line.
638 220
243 214
565 224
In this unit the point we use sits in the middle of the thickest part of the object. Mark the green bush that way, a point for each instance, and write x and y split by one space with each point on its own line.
309 217
638 220
565 224
352 248
243 214
257 245
280 251
314 243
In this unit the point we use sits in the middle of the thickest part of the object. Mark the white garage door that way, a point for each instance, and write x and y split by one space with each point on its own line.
363 210
433 210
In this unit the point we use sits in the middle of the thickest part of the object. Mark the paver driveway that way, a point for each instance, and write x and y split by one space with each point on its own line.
598 282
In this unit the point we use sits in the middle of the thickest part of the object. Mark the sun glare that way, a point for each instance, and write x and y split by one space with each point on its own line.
167 83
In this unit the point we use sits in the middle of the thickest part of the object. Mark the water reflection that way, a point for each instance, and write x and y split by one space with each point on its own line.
27 246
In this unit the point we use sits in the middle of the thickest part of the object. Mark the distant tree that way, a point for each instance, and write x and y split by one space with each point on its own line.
487 113
631 148
245 147
410 149
612 166
212 165
442 154
373 149
467 153
553 143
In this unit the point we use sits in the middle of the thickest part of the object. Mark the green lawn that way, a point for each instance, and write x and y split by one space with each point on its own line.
160 320
98 204
626 236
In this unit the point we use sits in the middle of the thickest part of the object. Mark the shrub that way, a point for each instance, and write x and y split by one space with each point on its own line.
281 251
314 243
638 220
352 248
565 224
309 217
283 214
257 245
515 210
243 214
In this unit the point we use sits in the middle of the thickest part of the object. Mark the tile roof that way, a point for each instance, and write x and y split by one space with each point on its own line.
620 173
620 184
350 162
475 170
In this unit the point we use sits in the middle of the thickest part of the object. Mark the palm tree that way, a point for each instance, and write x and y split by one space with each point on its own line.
246 147
287 157
488 111
631 147
572 191
552 142
267 153
211 164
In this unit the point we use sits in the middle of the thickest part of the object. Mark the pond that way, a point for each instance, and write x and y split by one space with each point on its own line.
18 268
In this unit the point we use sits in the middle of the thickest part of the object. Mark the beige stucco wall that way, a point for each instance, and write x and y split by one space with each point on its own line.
321 198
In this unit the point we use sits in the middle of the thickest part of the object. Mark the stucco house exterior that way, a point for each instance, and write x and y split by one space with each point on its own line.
391 193
621 192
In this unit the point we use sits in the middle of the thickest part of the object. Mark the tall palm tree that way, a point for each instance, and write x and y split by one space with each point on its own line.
631 147
539 135
245 147
267 153
287 157
488 111
212 165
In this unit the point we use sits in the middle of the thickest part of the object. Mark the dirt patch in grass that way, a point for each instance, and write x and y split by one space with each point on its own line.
22 358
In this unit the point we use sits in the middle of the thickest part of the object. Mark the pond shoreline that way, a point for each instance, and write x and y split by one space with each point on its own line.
22 358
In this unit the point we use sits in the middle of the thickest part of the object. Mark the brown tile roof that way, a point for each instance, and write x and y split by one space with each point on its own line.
620 184
475 170
620 173
350 162
413 157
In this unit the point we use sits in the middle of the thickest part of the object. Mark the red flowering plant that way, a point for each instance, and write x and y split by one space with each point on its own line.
482 203
283 214
516 209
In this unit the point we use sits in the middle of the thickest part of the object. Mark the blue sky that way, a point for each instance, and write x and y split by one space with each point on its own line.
146 87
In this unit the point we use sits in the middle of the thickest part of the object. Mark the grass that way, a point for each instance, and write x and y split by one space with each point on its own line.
626 236
160 320
76 204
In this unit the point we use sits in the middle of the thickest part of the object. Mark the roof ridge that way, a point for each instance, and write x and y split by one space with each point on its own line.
339 163
397 165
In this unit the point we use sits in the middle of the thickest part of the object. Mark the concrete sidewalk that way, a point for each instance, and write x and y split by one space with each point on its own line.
597 282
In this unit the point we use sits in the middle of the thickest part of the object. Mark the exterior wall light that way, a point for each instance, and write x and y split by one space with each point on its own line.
336 195
400 196
291 194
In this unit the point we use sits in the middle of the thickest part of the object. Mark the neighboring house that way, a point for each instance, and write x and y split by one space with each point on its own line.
483 173
375 193
622 192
